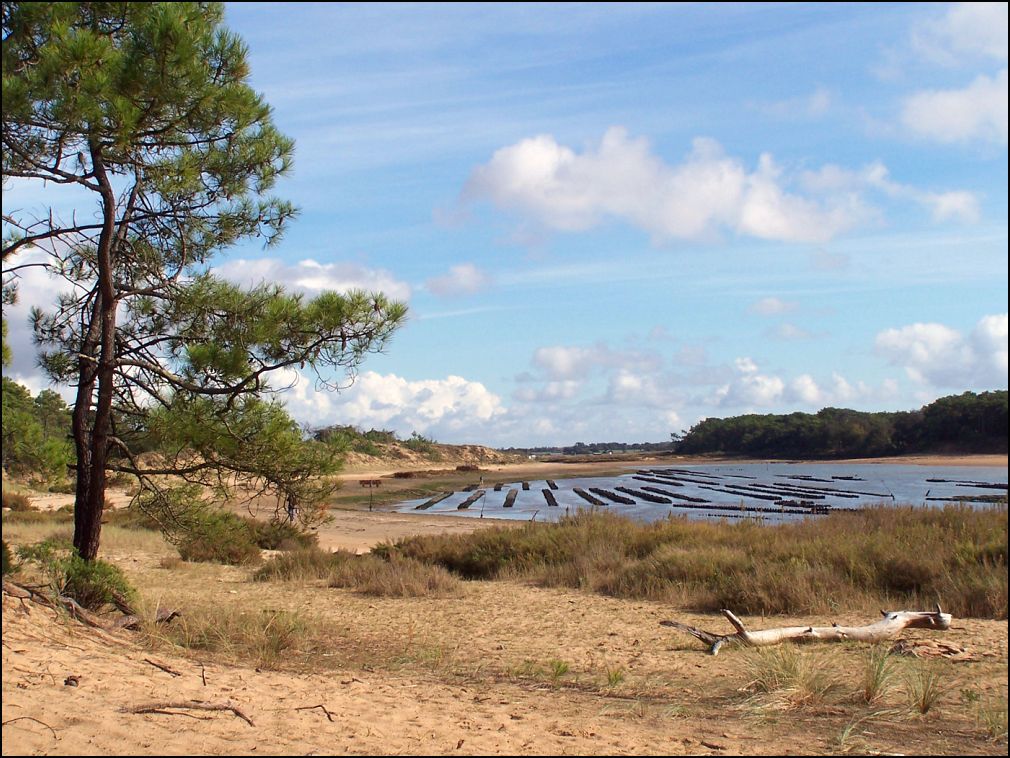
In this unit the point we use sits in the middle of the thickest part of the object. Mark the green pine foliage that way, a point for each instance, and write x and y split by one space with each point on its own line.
35 432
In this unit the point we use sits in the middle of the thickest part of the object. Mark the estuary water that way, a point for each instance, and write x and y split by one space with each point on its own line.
773 492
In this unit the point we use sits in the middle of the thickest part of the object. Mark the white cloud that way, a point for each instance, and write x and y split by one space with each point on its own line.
939 356
966 36
965 30
772 306
975 112
551 392
621 178
450 408
628 388
464 279
574 362
752 388
313 277
804 388
955 205
35 288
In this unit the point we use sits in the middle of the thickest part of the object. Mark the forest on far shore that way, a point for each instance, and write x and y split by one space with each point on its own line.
965 423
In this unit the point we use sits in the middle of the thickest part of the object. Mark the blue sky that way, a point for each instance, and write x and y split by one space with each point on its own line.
612 221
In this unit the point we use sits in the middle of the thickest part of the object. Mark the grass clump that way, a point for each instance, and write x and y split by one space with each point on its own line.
9 567
394 577
784 678
303 565
925 686
369 574
991 719
17 501
262 637
878 674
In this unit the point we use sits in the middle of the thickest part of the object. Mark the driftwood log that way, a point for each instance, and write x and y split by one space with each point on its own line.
887 628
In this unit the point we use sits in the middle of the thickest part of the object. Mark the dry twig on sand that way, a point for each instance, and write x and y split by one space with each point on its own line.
163 709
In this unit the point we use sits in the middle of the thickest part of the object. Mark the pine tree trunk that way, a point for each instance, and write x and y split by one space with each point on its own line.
90 498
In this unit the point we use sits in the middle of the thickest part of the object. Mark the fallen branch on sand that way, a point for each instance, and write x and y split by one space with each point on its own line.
74 609
162 708
887 628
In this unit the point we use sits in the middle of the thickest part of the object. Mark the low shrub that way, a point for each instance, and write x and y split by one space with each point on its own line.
39 517
280 535
92 584
217 536
9 566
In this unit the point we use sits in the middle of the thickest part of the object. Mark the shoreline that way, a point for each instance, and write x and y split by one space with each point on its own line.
556 468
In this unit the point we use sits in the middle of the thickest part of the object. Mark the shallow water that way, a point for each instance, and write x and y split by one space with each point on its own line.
773 492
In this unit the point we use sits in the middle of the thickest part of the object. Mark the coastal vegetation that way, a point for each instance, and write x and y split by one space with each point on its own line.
875 557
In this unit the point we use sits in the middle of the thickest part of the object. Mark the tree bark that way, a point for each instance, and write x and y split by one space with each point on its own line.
887 628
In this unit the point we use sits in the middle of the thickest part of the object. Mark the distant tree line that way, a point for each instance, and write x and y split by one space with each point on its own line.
594 448
966 423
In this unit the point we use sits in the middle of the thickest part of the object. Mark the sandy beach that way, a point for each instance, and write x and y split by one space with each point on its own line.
503 669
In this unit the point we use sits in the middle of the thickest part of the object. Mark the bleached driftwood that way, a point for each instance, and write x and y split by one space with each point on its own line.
887 628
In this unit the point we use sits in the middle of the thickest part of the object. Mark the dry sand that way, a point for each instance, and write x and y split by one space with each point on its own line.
467 675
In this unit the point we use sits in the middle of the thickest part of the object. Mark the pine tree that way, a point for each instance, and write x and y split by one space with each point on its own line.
145 108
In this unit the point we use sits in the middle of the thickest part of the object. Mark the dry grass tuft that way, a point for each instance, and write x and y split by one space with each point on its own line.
395 577
783 678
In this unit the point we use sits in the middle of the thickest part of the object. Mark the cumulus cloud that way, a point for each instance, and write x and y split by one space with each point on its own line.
965 35
752 388
312 277
629 388
464 279
940 356
621 178
975 112
36 288
449 408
